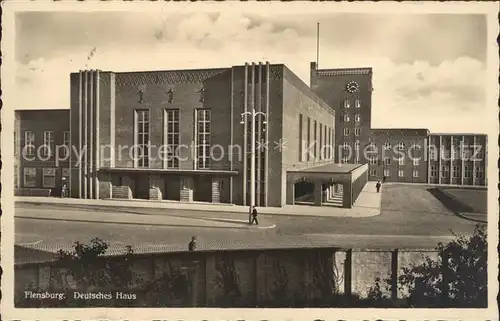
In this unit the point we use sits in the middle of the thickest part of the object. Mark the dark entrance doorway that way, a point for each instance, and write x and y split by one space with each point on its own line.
304 192
141 188
172 188
202 189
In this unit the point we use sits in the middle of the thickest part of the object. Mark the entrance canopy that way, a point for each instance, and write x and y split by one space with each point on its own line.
352 177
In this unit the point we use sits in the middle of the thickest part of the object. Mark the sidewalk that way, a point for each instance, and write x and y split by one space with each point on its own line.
86 216
368 204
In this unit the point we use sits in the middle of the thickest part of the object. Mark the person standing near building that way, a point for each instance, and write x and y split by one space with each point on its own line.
378 186
254 217
192 244
384 179
64 188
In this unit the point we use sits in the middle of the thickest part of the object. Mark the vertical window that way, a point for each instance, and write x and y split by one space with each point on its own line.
387 145
142 138
49 177
315 139
456 171
66 143
401 161
357 118
48 143
308 138
479 172
387 161
329 143
172 137
347 104
301 149
346 118
416 162
29 144
433 171
356 145
401 173
357 131
373 172
357 103
387 173
325 142
401 146
320 141
203 138
373 160
445 171
346 131
29 177
333 143
467 172
415 173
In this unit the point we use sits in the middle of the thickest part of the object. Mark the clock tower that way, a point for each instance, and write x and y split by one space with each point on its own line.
349 92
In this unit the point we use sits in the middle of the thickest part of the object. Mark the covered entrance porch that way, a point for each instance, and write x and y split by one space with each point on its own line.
331 184
166 184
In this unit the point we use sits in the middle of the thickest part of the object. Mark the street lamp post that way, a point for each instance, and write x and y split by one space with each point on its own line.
252 114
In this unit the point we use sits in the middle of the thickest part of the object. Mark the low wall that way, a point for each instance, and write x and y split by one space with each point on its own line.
43 192
249 278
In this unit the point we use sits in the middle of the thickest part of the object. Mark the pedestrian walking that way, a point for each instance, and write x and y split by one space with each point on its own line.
64 188
192 244
254 217
378 186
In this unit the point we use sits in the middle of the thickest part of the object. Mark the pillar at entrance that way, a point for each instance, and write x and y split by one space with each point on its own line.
318 193
187 185
290 193
347 194
215 190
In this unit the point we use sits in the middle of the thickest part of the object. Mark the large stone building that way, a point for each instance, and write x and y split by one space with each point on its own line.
40 159
186 135
203 118
349 93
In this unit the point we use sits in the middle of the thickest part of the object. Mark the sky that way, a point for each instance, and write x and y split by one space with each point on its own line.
429 70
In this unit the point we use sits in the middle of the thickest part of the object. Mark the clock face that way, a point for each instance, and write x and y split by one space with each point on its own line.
352 87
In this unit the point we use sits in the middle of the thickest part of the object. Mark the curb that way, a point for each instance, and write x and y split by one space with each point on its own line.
145 224
208 209
466 217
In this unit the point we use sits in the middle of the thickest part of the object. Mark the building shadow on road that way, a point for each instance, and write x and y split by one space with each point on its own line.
453 204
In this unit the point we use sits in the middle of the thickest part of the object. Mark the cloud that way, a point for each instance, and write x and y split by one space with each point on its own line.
417 94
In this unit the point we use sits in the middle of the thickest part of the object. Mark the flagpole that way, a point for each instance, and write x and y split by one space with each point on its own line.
317 46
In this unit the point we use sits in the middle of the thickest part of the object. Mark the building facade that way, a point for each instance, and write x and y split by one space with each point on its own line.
457 159
41 151
186 135
349 92
398 155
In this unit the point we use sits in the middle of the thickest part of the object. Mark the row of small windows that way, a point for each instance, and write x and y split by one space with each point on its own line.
445 172
347 118
347 103
48 177
456 171
48 149
387 173
387 161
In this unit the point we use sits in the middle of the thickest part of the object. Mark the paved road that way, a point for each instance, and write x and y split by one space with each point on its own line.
411 218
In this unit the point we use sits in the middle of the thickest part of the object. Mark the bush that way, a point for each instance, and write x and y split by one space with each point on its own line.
457 279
